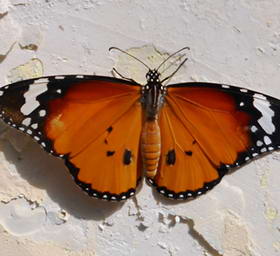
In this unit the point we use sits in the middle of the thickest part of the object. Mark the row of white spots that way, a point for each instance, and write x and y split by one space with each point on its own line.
26 122
105 196
181 195
31 103
240 89
266 140
263 105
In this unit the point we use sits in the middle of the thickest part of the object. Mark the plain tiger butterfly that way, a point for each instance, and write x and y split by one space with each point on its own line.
185 137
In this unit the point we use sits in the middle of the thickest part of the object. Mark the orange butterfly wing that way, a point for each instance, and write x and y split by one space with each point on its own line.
94 123
203 134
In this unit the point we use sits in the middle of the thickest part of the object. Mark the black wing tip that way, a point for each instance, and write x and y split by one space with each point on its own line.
106 195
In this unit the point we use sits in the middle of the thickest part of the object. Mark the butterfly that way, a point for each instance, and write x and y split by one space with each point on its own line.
110 131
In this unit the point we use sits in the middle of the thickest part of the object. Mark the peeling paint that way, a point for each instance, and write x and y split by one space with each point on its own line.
236 240
30 69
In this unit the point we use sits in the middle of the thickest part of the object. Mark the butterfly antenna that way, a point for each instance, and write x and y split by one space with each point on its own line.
170 56
173 62
118 49
175 70
118 73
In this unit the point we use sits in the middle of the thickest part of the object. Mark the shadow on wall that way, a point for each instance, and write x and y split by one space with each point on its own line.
49 173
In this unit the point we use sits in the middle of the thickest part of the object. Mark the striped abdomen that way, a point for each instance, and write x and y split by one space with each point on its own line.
150 146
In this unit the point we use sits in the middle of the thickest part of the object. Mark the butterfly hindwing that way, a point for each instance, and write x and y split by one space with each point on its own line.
93 122
208 129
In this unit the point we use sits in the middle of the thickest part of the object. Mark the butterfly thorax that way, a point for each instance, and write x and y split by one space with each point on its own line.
152 100
153 95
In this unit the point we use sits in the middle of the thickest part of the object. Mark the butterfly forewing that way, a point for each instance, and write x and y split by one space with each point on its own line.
208 129
93 122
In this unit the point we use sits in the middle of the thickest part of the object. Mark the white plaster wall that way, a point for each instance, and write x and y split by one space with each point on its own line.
42 211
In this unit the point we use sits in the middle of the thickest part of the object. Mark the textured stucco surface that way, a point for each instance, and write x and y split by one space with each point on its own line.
42 211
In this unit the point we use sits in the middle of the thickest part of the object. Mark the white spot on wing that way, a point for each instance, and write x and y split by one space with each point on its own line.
254 128
263 150
31 103
41 81
34 126
267 140
259 96
243 90
42 112
59 77
259 143
26 121
1 93
260 102
225 86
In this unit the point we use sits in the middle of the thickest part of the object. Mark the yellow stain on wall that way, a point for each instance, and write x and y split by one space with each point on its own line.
31 69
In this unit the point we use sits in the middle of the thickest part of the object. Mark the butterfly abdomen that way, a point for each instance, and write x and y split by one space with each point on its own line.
151 147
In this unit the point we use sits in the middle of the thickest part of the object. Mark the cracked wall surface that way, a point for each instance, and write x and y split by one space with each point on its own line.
42 211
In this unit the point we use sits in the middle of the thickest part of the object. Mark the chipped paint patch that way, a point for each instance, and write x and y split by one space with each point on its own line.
30 69
236 237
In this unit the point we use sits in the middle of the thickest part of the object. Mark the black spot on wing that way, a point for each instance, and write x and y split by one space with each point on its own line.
171 157
110 129
110 153
127 157
188 153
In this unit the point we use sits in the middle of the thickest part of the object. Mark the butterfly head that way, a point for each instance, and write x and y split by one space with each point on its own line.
153 76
